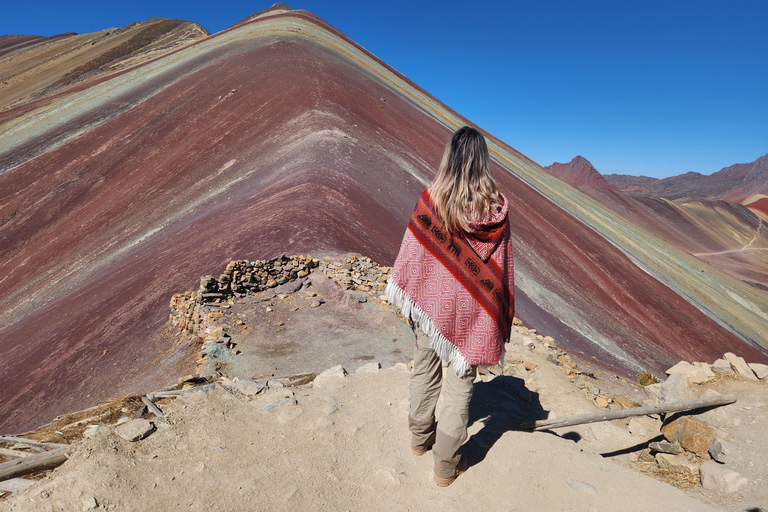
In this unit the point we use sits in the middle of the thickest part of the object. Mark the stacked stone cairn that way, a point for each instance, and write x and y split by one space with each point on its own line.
692 444
197 312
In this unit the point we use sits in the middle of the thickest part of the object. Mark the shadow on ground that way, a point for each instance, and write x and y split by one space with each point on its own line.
501 405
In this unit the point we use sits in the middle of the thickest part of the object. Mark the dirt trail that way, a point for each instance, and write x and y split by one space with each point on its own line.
219 452
342 443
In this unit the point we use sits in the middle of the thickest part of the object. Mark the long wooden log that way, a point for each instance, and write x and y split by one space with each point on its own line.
14 453
32 442
580 419
37 462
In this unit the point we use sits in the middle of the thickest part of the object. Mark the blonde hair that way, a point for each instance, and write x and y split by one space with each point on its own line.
464 189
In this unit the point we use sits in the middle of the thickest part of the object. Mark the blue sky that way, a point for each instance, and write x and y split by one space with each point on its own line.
637 87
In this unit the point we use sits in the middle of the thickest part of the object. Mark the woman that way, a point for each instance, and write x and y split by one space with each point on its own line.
453 279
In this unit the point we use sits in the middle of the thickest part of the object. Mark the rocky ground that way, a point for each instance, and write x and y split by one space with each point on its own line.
253 438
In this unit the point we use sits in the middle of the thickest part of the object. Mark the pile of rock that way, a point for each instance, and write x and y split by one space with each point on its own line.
192 312
243 277
545 345
676 388
693 446
355 272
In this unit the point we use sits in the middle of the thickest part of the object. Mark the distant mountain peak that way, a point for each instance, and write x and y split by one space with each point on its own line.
579 172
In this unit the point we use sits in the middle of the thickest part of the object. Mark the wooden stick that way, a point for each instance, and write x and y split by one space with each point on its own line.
151 406
169 394
13 453
37 462
580 419
13 439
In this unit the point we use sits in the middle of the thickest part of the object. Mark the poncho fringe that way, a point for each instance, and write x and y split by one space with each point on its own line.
444 349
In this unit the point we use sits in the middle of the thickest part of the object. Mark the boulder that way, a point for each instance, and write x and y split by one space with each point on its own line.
760 370
674 389
693 435
652 391
716 416
740 366
720 479
695 374
722 367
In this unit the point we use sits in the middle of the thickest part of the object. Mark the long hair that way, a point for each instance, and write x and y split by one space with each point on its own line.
464 189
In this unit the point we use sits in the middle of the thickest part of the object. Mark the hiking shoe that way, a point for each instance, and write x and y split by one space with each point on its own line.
460 468
421 450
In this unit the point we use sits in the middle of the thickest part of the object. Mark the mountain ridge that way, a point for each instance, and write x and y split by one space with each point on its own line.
182 163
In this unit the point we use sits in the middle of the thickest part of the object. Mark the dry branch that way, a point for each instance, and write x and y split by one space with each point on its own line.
580 419
151 406
31 442
36 462
13 453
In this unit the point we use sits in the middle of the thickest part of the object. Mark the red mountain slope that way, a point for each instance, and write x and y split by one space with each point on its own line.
280 135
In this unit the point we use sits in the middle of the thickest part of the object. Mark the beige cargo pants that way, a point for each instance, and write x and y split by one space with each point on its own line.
425 384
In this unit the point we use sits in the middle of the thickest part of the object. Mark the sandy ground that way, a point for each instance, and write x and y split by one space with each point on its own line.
342 443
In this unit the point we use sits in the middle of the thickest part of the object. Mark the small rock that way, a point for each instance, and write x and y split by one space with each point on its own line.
594 390
666 447
275 383
330 375
91 430
722 367
676 463
719 478
135 430
359 296
530 366
694 435
271 283
369 368
90 503
601 401
247 387
740 366
760 370
721 451
316 303
674 389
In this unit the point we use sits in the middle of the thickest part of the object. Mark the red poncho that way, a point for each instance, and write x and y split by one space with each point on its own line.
458 289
